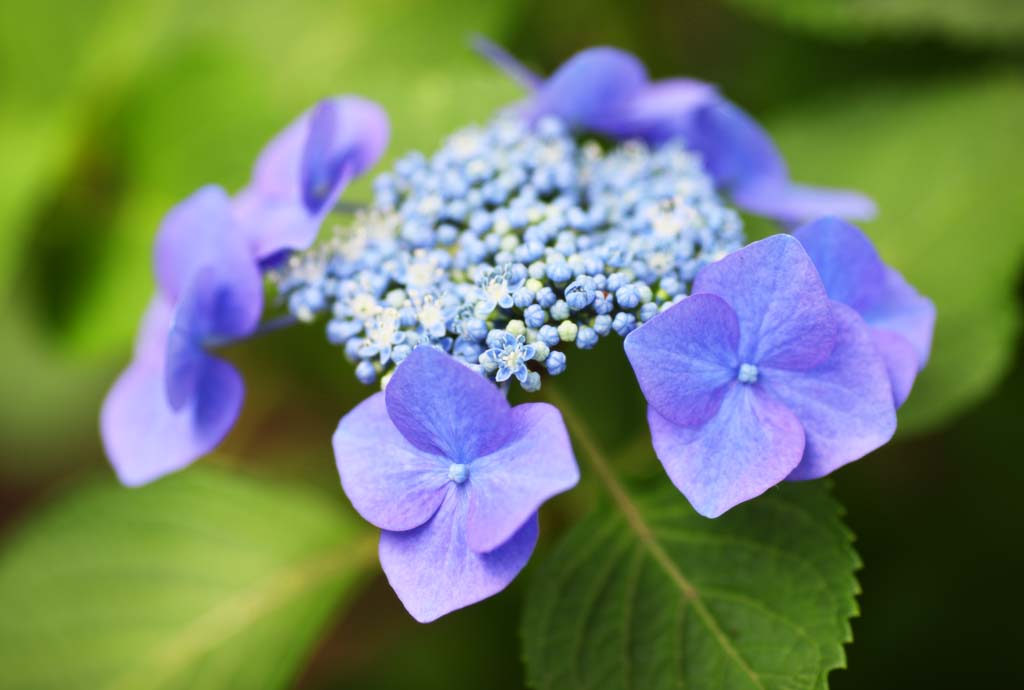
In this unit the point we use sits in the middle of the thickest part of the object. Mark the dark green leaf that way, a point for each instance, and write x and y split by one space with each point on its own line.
203 580
651 595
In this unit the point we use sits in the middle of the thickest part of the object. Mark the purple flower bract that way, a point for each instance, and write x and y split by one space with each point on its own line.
454 477
900 319
758 377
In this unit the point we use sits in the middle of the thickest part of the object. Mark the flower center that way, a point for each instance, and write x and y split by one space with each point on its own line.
747 373
458 472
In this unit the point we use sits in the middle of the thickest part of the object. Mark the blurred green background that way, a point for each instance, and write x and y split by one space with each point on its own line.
112 111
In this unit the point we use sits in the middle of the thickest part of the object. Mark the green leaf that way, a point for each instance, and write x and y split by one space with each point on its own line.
968 21
651 595
202 580
943 162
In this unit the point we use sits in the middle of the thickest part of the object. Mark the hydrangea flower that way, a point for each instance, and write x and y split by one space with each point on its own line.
300 175
900 319
176 401
453 476
758 377
606 90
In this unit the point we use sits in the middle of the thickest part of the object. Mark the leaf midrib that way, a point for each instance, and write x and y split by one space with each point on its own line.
645 535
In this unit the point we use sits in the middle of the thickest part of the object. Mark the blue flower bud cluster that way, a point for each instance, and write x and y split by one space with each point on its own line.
508 245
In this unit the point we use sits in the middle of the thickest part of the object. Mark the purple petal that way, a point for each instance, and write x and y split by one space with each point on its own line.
347 136
855 275
735 148
589 87
902 310
391 483
850 268
190 235
685 357
143 436
751 445
302 172
508 487
222 301
432 569
660 111
784 314
507 63
445 408
845 405
901 362
791 204
742 158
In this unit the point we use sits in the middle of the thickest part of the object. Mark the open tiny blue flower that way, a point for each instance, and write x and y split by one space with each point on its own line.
496 288
176 401
509 357
900 319
758 377
607 90
453 476
302 172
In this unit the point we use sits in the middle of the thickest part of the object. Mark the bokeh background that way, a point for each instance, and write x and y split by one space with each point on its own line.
112 111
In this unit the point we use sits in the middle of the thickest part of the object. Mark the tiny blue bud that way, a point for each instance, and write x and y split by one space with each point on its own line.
648 311
495 337
447 234
475 328
366 372
548 335
522 297
559 311
559 272
586 338
546 297
534 316
616 280
603 324
628 297
555 363
623 323
532 382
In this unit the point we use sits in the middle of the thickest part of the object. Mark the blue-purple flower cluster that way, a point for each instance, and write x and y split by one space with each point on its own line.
781 360
509 244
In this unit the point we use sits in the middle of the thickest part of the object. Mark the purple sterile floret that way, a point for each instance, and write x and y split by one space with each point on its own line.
901 320
454 476
176 401
607 90
759 377
300 175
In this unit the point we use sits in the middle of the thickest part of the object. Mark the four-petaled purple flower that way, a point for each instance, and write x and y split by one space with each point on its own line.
608 91
901 320
176 401
758 377
453 475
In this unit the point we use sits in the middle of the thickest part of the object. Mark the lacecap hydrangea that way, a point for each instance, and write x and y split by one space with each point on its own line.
598 207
